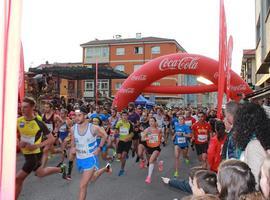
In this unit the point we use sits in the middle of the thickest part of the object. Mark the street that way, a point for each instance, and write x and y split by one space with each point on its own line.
128 187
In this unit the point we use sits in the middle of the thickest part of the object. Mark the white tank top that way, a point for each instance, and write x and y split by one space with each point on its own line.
86 144
63 128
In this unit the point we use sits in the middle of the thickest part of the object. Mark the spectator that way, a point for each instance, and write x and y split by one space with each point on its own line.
252 136
228 150
204 182
215 145
265 177
234 179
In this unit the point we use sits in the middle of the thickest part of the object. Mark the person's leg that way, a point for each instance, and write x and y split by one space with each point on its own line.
45 154
176 156
101 171
135 147
204 160
85 179
71 159
41 172
123 160
185 155
20 177
152 160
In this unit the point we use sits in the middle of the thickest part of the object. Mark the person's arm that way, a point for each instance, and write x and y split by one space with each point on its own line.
182 185
102 134
211 152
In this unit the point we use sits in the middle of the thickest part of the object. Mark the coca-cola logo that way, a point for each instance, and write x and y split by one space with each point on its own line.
240 87
127 90
216 75
138 77
184 63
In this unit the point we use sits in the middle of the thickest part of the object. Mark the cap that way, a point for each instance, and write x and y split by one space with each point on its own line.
81 109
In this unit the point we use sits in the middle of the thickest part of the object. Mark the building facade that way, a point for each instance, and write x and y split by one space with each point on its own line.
128 55
262 12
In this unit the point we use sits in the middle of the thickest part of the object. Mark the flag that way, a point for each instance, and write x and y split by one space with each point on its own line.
229 65
10 22
222 57
21 76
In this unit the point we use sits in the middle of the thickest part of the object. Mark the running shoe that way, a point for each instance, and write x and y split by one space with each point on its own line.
148 180
142 164
187 161
63 168
59 164
121 172
160 166
176 174
109 168
68 177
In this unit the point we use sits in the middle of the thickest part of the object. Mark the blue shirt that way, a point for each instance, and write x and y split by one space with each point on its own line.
179 131
101 116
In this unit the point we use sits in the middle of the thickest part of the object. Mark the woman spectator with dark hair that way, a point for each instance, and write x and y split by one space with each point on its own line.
215 146
252 137
234 179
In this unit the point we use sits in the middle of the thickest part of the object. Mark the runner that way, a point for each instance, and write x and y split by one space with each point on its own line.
201 131
181 135
114 137
63 128
160 122
31 130
50 119
125 130
153 141
84 143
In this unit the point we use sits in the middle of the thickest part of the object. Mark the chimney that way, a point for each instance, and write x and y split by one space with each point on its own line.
118 37
138 35
47 62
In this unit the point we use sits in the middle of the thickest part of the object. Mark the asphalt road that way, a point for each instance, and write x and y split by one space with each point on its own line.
131 186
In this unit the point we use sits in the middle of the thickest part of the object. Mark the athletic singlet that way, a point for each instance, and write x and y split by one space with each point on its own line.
113 122
153 137
85 144
49 122
63 128
181 129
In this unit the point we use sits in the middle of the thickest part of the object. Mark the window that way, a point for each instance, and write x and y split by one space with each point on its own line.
138 50
120 51
120 68
95 52
103 84
118 86
258 30
136 67
155 50
89 85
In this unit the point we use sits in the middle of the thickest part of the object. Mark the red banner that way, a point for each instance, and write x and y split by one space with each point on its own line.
229 64
222 57
21 76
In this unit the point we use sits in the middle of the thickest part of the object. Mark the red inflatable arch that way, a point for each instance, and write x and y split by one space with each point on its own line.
181 63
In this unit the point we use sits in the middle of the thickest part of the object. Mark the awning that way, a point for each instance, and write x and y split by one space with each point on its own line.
264 68
259 93
78 71
263 79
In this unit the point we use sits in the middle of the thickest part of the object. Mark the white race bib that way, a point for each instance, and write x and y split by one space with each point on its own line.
202 138
124 131
83 151
153 139
181 140
50 127
28 139
188 123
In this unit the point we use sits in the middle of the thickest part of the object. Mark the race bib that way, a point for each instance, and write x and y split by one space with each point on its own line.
83 151
153 139
188 123
202 138
124 131
143 136
28 139
181 140
50 127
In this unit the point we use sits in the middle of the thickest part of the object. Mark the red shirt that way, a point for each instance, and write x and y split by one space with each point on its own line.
214 152
201 132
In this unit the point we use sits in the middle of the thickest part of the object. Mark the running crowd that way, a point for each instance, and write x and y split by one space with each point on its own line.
234 153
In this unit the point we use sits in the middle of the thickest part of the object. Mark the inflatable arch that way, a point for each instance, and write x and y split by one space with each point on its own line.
180 63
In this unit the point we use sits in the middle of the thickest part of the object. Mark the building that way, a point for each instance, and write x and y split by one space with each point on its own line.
262 12
128 55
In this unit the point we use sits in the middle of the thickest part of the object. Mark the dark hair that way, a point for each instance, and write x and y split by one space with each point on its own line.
49 104
30 101
207 181
249 121
220 130
231 107
205 197
201 112
235 179
193 171
153 119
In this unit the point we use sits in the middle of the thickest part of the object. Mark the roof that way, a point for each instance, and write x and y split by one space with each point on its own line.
249 52
79 71
131 40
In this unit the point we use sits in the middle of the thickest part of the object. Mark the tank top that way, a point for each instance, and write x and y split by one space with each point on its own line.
49 122
154 137
63 128
85 144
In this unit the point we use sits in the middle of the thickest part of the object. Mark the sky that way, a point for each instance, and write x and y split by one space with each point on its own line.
52 30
